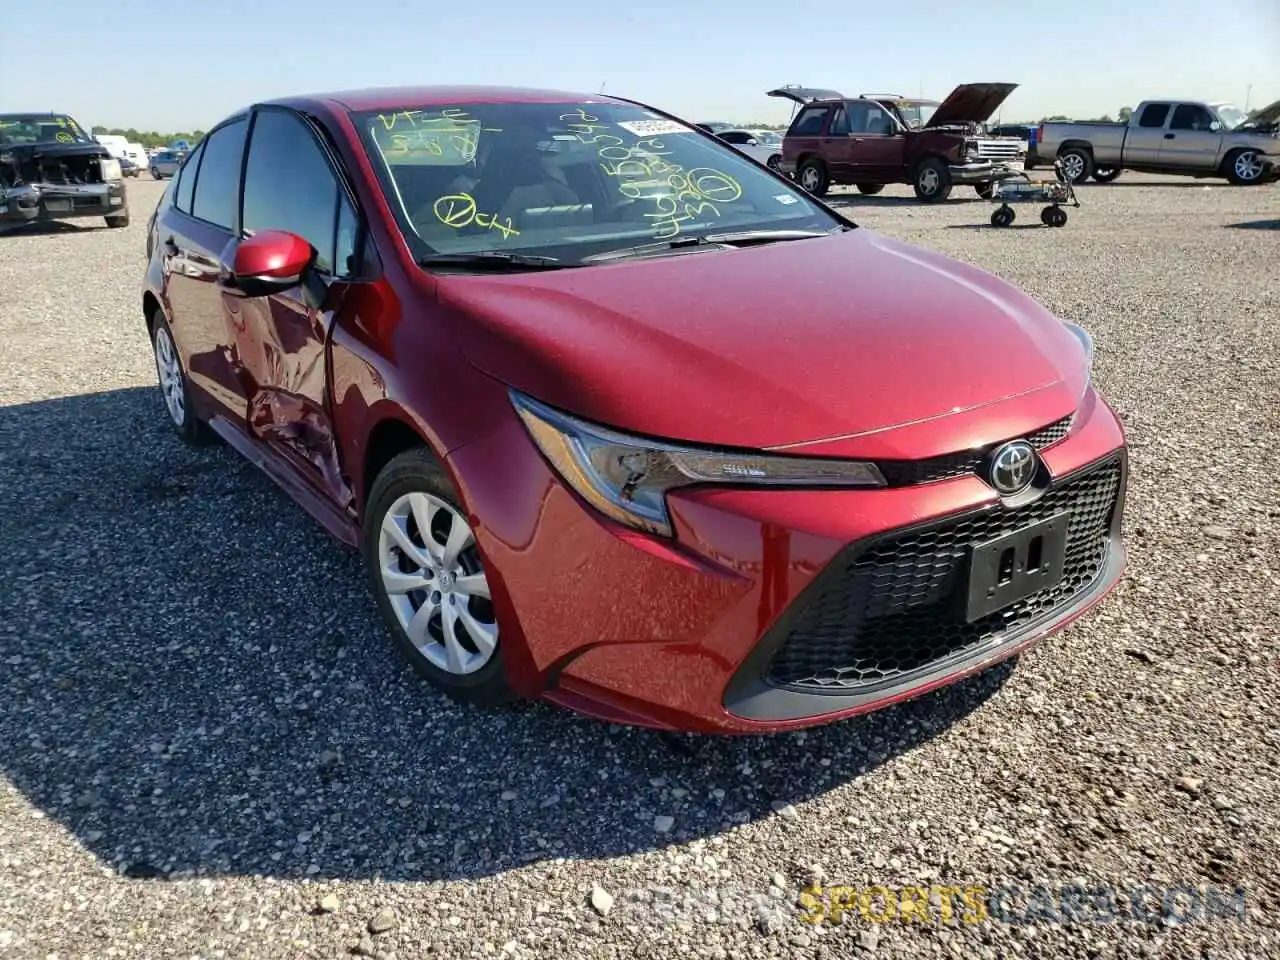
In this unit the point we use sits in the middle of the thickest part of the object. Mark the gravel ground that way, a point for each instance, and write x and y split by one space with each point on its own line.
211 750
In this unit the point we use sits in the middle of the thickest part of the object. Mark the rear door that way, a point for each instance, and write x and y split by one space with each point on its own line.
294 182
192 236
1189 143
805 135
876 144
1143 140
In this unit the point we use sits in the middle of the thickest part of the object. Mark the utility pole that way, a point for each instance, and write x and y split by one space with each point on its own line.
1248 92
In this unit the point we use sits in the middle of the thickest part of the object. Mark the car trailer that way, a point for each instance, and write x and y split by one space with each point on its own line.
1021 186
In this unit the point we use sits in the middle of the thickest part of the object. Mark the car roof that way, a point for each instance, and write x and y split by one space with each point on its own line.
392 98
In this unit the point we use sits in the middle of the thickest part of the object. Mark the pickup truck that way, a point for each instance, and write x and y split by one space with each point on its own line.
876 139
51 169
1164 136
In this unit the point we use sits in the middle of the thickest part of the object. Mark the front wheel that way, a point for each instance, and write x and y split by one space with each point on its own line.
870 189
814 178
155 174
118 221
933 180
1053 217
1105 174
430 581
1003 217
1244 168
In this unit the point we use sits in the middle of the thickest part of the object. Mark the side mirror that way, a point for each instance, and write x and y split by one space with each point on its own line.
266 263
1215 125
753 142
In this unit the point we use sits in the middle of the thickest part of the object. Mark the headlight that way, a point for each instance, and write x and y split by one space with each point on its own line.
626 478
1086 341
110 168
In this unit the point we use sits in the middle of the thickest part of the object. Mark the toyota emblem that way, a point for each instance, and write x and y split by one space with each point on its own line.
1013 467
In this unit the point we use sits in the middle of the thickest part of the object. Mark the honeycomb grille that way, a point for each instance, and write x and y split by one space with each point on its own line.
908 473
898 606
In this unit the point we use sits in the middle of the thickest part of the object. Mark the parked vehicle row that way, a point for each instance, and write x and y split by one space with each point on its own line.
908 485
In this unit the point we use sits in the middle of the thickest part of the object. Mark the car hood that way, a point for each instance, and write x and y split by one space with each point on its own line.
971 103
1267 115
785 345
51 148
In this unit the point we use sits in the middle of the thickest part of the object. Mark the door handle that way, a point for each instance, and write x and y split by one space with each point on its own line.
1169 136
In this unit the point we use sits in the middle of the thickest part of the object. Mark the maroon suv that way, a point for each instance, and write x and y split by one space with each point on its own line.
874 140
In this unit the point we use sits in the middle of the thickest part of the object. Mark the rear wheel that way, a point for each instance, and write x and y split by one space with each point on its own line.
1077 164
1105 174
870 189
430 582
933 180
173 386
1003 217
814 178
1244 167
1053 217
774 161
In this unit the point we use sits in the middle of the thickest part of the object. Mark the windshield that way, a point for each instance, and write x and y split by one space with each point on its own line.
20 128
1230 116
916 113
567 180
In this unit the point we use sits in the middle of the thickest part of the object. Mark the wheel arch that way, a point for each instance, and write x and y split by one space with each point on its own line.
150 307
1066 145
390 436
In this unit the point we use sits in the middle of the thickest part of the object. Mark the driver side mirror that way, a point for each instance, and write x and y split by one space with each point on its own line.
266 263
1215 125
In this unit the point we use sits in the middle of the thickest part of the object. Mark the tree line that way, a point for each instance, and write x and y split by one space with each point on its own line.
149 138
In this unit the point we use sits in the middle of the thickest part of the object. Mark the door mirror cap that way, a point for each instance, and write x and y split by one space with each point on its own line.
270 261
1215 125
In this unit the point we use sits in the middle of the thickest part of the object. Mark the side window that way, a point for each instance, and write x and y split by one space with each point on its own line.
186 179
347 236
857 113
809 123
734 136
218 176
1190 116
839 123
1153 115
289 185
878 121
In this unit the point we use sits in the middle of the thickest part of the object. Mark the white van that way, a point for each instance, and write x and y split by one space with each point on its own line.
116 144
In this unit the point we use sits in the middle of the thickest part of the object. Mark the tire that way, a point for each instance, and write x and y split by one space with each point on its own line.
414 485
870 189
117 221
813 177
1105 174
932 182
1077 164
176 394
984 190
1003 216
773 163
155 174
1244 168
1053 217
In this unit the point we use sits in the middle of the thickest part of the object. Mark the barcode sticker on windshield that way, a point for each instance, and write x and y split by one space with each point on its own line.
652 128
786 198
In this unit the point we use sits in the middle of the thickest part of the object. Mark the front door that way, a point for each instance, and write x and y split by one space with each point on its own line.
282 342
1189 143
877 147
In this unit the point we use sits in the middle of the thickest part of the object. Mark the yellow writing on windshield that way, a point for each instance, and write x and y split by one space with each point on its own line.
451 133
63 137
459 210
678 196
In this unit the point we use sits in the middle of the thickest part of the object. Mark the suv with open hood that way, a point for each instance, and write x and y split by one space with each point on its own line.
51 169
872 140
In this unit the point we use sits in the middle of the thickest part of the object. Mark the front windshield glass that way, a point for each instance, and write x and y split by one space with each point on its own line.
20 128
916 113
1231 117
567 180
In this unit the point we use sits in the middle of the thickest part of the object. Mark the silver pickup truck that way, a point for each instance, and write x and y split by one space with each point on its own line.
1164 136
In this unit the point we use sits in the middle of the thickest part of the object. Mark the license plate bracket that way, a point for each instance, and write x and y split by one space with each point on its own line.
1014 566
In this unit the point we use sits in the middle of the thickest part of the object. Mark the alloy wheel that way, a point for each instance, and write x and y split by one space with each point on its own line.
432 574
810 179
929 181
170 373
1248 166
1073 166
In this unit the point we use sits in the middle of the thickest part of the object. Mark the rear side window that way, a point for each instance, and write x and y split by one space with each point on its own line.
1153 115
289 185
186 178
218 177
809 123
735 136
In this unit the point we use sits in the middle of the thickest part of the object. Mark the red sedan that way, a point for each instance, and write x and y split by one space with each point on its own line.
621 418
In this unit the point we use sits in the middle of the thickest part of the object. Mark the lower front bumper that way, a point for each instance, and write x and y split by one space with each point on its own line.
54 201
979 172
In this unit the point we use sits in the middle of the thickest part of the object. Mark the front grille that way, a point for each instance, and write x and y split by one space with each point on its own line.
891 609
1001 149
906 473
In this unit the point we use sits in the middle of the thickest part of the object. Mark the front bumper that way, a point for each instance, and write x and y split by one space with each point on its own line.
764 608
978 171
54 201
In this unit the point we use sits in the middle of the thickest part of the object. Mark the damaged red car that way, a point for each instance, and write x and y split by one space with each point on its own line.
622 419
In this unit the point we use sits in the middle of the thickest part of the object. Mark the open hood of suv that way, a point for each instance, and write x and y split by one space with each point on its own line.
1266 116
804 95
971 103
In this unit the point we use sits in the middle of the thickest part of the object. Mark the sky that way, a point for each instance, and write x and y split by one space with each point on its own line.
170 66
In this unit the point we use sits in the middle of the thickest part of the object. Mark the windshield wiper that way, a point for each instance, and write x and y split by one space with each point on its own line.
741 238
492 260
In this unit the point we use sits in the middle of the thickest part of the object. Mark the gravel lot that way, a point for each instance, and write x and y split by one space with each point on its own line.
210 749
